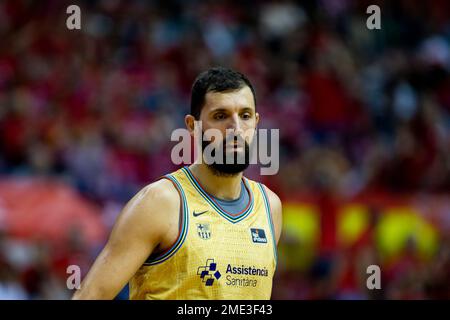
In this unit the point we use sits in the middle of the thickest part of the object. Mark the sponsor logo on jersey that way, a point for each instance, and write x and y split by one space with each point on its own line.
244 276
236 275
247 270
258 235
208 273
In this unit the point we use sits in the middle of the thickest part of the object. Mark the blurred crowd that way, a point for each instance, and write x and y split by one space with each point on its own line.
359 110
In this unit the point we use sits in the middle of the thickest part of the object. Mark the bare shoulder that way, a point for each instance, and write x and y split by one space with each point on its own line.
274 200
151 209
276 211
161 193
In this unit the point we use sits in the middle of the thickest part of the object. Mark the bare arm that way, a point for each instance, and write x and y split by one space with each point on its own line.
276 210
138 230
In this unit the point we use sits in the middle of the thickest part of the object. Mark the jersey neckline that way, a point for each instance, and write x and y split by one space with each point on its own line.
232 217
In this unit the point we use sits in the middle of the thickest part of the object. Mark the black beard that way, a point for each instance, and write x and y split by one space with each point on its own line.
224 169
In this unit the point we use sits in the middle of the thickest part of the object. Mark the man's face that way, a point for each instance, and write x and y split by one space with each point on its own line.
233 114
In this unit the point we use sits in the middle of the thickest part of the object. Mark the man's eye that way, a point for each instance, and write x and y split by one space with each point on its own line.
246 116
219 116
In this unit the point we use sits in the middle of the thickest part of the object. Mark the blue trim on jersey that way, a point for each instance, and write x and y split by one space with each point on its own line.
185 226
269 217
204 194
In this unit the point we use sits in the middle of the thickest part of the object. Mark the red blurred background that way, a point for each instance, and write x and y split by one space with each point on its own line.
86 117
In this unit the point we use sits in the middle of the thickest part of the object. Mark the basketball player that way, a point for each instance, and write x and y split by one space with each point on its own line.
204 231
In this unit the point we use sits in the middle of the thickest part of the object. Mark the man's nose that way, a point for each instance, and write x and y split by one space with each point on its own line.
235 124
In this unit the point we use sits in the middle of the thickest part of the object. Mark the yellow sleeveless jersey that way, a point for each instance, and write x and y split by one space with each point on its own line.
218 255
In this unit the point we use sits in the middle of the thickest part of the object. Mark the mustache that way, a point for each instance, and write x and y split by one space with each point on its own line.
235 139
240 160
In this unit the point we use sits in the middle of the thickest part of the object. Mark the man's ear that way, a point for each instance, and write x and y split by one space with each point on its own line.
189 120
257 118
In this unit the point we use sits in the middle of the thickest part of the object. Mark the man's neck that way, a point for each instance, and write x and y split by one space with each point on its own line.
221 187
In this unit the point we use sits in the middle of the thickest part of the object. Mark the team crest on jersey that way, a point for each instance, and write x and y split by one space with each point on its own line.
204 231
258 235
